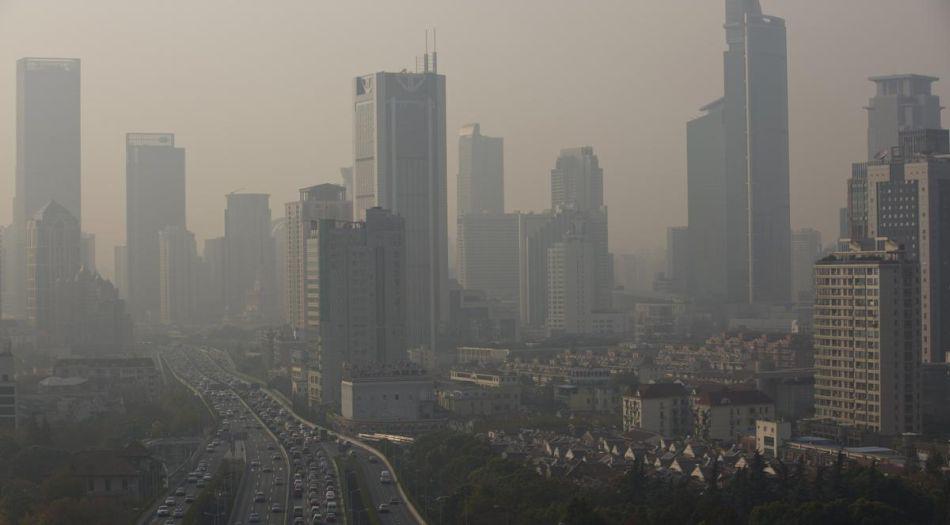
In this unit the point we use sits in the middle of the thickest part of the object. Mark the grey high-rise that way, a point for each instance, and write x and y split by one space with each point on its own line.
900 103
155 200
249 256
400 165
754 138
481 175
577 180
48 155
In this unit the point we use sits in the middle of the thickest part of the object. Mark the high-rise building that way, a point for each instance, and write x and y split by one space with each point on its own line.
357 292
155 200
867 341
806 249
488 254
211 289
577 180
278 233
908 201
400 165
572 276
249 259
52 237
121 262
900 103
87 251
677 258
178 279
752 187
481 175
324 201
48 158
346 178
8 398
706 192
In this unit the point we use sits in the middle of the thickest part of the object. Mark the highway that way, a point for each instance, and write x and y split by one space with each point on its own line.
240 434
397 511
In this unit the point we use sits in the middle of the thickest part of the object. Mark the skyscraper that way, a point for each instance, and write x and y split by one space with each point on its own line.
400 165
155 200
488 254
572 278
806 249
249 257
754 141
677 258
178 266
356 288
48 162
52 238
900 103
868 376
481 175
577 180
706 192
324 201
908 201
121 262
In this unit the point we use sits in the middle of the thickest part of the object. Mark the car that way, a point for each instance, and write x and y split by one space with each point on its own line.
163 512
268 468
278 481
200 483
372 459
276 508
180 491
330 495
259 497
394 500
331 517
178 513
382 509
171 522
189 498
254 518
169 501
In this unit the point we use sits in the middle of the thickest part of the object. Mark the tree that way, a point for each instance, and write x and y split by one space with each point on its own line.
580 512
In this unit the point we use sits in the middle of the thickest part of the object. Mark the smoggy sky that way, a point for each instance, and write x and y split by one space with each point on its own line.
258 92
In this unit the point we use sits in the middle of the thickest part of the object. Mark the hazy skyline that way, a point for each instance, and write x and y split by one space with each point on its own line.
259 94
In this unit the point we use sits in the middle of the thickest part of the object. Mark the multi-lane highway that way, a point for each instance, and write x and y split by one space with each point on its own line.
388 502
264 492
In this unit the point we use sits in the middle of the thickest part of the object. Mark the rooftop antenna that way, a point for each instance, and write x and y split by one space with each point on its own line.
435 52
425 62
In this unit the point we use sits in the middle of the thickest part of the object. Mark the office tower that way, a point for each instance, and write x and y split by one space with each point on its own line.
400 165
867 345
346 178
677 258
5 232
806 249
324 201
900 103
48 155
96 321
249 257
278 233
844 223
357 293
211 290
858 201
178 266
908 201
121 262
8 397
488 254
754 191
87 251
155 200
924 142
52 238
572 277
577 180
706 192
577 183
481 175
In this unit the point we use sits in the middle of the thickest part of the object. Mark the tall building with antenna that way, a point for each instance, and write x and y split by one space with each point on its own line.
399 164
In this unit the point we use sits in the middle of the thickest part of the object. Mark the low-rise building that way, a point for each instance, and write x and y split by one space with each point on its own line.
469 355
662 408
726 415
470 400
129 376
127 473
771 435
388 394
589 397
